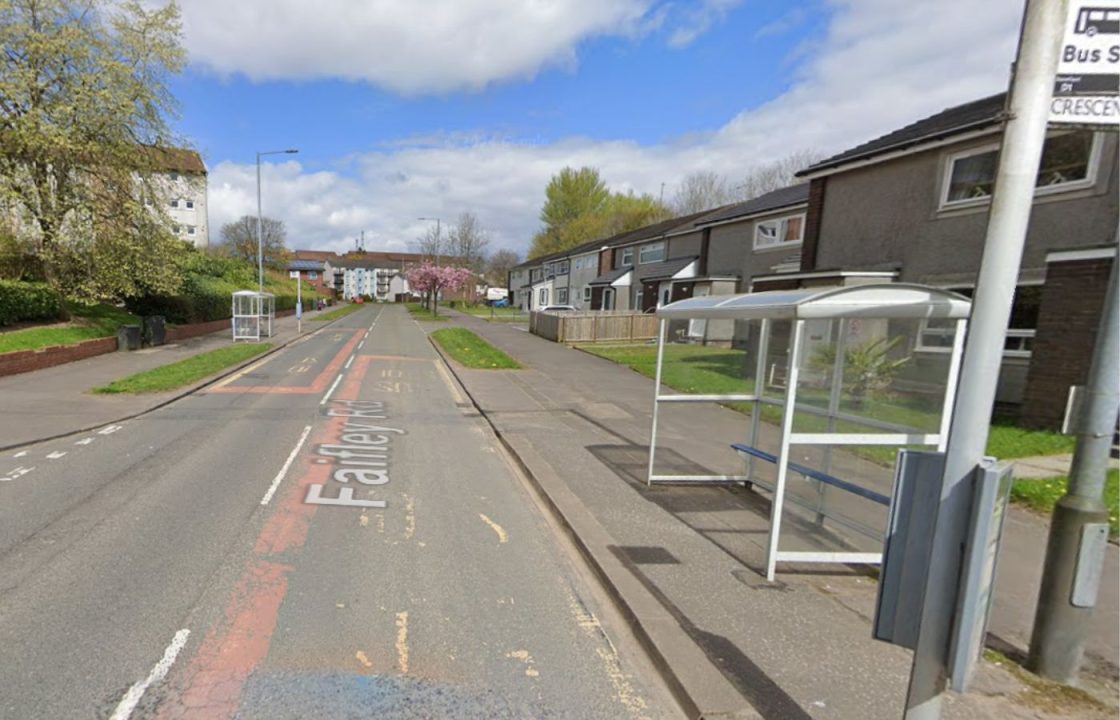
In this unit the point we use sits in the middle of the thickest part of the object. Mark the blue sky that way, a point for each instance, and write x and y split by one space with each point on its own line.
403 109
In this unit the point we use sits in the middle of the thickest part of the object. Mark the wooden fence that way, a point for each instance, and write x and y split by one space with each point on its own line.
594 326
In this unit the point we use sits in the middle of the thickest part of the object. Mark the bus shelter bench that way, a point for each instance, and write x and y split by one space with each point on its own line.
816 475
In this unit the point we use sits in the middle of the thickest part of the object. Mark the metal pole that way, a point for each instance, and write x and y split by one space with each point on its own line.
260 244
662 324
1024 133
1061 622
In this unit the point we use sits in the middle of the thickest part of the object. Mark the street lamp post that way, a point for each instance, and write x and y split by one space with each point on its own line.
260 242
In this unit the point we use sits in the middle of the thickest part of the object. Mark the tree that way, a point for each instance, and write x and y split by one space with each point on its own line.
432 245
765 178
701 190
467 241
572 194
239 240
498 266
432 279
84 104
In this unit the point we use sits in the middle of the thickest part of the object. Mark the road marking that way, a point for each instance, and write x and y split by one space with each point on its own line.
18 472
21 453
502 537
110 430
363 659
132 698
367 334
402 641
287 464
56 454
348 362
326 397
363 520
84 441
525 657
409 517
363 342
240 374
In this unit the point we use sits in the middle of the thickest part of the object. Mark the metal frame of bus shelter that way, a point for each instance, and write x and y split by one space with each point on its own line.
880 301
258 307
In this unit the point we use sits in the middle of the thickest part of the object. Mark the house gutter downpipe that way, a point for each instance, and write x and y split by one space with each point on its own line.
1012 198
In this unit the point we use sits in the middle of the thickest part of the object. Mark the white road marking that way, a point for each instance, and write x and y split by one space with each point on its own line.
18 472
348 362
238 375
21 453
326 397
56 454
287 464
110 430
402 641
132 698
367 334
363 342
85 441
502 537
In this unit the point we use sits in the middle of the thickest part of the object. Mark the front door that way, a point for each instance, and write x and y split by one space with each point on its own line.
649 297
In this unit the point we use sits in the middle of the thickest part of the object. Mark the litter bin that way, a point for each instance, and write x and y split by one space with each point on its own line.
155 330
128 337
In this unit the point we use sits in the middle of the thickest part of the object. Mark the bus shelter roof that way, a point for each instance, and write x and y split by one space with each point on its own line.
879 300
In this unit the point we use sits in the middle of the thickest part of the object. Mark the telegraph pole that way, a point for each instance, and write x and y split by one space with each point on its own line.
1012 198
1079 527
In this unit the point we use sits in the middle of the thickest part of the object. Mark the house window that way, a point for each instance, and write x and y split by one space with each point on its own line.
937 335
779 232
174 176
587 293
654 252
543 297
312 275
190 229
562 268
190 204
1067 164
628 256
174 203
562 296
176 229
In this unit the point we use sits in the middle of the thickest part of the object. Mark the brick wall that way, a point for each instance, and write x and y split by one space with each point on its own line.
1068 317
22 361
182 332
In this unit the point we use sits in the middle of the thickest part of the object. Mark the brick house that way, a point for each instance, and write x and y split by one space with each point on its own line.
913 204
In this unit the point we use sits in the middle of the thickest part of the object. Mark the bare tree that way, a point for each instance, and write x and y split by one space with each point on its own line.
767 177
701 190
432 245
468 240
239 240
498 266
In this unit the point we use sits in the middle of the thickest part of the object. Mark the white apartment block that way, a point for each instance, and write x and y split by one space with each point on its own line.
181 182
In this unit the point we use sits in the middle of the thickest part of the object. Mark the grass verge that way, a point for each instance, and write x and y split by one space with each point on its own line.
420 312
1042 495
338 312
719 371
184 372
472 351
88 322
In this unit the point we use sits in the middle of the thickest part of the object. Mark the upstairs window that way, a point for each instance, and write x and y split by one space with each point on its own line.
628 256
174 203
779 232
654 252
1067 164
562 267
190 204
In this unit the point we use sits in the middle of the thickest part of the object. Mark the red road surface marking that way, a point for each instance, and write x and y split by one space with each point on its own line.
318 385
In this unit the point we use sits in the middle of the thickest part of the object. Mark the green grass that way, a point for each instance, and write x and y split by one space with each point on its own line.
1042 495
87 323
717 371
420 312
338 312
184 372
472 351
502 314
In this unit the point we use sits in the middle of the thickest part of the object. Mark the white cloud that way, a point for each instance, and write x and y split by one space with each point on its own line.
699 18
881 65
406 46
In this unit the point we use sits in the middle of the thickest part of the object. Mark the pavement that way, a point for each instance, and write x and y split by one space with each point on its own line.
684 565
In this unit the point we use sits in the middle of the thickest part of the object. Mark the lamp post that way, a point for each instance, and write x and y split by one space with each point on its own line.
260 243
438 224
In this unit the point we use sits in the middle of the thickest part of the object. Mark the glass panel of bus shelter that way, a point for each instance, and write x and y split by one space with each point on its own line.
886 381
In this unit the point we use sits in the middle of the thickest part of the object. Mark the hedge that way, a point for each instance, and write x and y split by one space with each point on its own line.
23 301
202 299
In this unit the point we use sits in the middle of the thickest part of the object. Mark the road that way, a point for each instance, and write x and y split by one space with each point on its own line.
332 532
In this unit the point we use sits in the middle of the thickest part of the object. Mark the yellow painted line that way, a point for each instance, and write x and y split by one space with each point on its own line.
239 374
502 537
402 641
409 517
361 656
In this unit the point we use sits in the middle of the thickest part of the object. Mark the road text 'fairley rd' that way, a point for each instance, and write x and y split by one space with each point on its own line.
361 457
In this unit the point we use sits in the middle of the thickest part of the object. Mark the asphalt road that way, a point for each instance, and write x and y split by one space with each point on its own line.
332 532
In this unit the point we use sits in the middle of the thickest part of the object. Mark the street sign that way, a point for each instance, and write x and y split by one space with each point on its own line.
293 274
1087 85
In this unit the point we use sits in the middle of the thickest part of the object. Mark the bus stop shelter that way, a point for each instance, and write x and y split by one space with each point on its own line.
254 314
836 380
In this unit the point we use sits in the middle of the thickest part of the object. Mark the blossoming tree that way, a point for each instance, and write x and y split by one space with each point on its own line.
431 280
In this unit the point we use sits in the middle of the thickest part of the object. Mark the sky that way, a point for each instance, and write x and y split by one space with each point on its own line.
409 109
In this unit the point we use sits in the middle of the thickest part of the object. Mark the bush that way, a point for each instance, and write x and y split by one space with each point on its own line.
21 301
